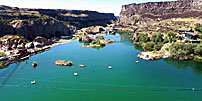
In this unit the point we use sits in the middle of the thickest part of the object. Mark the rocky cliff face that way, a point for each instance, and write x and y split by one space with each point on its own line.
32 29
77 18
48 29
134 13
5 29
48 23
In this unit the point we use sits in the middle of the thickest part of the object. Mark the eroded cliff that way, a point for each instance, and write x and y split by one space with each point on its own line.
77 18
48 23
134 13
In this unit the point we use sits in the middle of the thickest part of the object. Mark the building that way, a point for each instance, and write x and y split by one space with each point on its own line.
191 35
184 30
188 34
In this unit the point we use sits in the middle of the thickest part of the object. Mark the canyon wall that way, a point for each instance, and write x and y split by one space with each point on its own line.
77 18
48 23
134 13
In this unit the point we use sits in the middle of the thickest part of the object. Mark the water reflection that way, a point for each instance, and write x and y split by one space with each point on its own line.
194 65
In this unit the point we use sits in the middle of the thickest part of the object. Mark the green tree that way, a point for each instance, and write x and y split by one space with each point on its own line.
157 38
172 37
166 40
158 47
198 49
143 38
199 29
149 46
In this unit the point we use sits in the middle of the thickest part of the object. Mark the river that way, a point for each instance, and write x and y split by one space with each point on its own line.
160 80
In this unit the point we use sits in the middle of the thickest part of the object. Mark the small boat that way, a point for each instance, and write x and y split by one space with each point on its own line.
137 61
110 67
76 74
33 82
82 66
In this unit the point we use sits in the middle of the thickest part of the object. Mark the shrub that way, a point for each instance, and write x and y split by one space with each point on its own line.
157 38
199 29
157 47
166 40
172 37
143 38
149 46
181 50
198 49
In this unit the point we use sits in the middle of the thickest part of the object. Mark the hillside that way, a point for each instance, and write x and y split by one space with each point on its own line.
48 23
133 13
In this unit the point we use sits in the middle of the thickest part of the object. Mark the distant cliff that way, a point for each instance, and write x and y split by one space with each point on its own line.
77 18
133 13
48 23
32 29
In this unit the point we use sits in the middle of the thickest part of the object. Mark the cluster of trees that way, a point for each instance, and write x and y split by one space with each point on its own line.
186 51
98 41
156 41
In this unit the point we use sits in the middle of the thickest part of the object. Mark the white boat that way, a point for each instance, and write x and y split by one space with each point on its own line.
33 82
82 66
76 74
110 67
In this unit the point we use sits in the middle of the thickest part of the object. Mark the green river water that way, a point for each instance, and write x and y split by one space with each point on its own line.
160 80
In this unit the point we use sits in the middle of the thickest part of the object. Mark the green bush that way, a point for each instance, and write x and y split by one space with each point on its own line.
158 46
166 40
199 29
181 50
149 46
157 38
198 50
172 37
143 38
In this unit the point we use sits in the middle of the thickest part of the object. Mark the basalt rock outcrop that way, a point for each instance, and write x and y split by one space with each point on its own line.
48 23
136 13
48 29
6 29
31 29
77 18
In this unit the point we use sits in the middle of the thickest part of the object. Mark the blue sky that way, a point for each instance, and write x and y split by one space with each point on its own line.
106 6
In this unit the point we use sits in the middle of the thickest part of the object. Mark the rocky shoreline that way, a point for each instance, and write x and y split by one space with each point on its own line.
153 55
18 48
30 52
156 55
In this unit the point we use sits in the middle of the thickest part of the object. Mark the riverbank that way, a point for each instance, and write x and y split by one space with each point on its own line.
125 75
155 55
30 52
